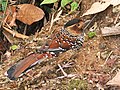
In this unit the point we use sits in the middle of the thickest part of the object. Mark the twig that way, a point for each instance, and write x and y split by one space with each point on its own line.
117 24
25 29
1 56
51 24
55 19
68 76
89 23
117 18
83 33
107 58
67 65
12 22
79 2
57 60
12 2
8 25
64 73
16 34
33 2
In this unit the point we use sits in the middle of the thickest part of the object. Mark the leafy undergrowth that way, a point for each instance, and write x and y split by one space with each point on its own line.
88 68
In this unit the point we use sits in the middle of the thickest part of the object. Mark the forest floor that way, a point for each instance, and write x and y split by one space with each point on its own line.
88 68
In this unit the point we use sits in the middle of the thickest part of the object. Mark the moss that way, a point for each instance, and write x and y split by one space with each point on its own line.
77 84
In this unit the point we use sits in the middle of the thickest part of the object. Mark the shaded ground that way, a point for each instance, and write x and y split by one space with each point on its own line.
87 68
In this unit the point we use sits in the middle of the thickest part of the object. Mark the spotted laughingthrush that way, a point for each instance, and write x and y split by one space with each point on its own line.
69 37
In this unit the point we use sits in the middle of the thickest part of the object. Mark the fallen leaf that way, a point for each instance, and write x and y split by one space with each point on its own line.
115 2
101 6
116 10
97 7
115 80
28 13
13 47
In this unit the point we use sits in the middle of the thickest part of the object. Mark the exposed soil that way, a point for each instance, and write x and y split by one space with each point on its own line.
88 68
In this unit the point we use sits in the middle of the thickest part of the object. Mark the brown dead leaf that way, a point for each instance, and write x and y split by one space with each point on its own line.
101 6
113 2
97 7
115 81
29 13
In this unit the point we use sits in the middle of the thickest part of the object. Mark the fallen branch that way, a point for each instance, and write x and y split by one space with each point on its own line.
16 34
107 31
64 73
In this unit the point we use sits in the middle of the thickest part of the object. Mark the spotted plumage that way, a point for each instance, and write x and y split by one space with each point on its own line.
69 37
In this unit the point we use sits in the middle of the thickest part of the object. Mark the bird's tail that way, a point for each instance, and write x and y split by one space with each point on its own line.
22 66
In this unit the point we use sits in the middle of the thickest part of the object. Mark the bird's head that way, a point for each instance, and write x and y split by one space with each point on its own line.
74 26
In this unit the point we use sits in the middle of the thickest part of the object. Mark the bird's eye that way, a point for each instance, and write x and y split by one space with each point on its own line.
78 25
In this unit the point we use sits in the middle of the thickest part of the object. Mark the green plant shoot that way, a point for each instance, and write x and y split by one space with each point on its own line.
74 6
91 34
65 2
48 2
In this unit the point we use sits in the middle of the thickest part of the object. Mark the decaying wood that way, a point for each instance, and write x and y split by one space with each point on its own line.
107 31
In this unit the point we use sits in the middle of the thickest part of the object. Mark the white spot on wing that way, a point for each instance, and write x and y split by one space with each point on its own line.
5 74
52 53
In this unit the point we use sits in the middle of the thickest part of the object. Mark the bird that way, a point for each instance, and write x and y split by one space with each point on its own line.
68 37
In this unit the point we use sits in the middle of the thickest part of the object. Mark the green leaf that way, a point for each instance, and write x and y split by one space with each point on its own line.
74 6
0 7
48 2
91 34
14 47
65 2
4 4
